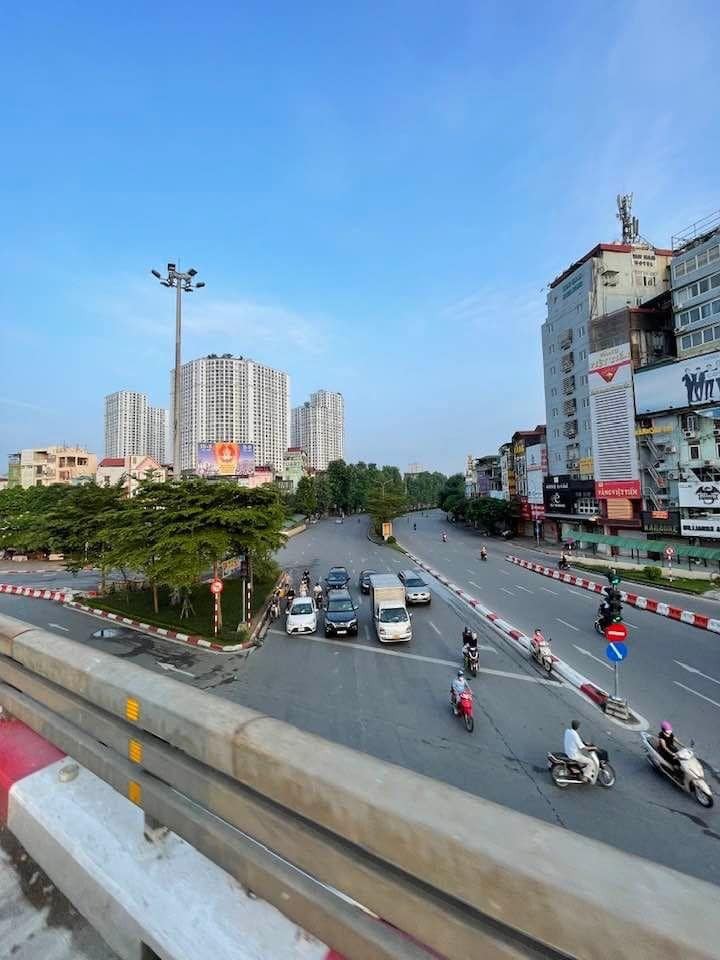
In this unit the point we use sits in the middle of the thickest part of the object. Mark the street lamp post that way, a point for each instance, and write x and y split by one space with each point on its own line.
183 283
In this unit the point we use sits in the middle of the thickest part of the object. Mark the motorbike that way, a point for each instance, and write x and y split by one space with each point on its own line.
565 772
563 565
688 774
600 625
471 660
483 555
444 538
463 707
541 654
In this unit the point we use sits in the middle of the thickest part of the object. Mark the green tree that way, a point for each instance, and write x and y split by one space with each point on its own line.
338 479
305 496
489 513
322 493
385 502
452 493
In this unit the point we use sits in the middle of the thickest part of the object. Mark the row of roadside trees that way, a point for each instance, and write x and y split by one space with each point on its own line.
489 514
364 487
171 533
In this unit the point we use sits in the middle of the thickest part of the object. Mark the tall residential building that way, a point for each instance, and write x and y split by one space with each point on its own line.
608 278
236 400
133 428
157 433
44 466
318 427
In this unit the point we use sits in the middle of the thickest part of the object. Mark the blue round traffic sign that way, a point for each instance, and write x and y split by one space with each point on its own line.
616 651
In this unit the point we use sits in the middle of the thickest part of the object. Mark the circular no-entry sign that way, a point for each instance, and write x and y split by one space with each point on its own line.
216 586
616 633
669 553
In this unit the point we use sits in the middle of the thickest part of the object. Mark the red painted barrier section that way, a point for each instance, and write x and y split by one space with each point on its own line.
22 752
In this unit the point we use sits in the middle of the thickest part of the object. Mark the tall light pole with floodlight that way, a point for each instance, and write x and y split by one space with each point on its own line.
183 283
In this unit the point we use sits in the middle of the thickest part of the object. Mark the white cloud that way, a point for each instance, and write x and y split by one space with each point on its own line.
493 307
22 405
247 324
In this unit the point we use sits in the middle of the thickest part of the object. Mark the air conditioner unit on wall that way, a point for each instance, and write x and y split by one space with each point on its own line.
689 434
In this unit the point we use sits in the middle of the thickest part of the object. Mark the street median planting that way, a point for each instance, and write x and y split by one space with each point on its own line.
138 605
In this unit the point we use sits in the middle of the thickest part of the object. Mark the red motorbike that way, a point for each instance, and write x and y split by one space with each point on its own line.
463 707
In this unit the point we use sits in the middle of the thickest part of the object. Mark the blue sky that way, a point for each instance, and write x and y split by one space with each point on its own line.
375 193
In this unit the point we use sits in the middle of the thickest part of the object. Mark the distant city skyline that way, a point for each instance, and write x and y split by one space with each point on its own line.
379 213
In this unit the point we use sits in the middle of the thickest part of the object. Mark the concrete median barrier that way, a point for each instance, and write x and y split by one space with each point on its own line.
577 896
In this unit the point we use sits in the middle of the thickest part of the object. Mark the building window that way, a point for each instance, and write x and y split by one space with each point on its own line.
581 330
553 371
583 354
694 451
553 391
586 401
584 378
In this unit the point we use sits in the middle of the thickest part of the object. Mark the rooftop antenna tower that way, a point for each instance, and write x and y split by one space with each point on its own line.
630 224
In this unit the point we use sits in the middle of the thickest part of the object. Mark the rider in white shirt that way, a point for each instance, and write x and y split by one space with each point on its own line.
459 685
575 749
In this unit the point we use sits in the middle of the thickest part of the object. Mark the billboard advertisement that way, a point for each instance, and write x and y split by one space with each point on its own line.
699 494
225 459
612 410
536 468
685 383
701 527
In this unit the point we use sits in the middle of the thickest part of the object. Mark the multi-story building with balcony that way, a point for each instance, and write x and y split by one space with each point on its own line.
44 466
318 428
226 399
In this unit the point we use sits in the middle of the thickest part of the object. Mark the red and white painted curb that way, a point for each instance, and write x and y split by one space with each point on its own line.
191 639
519 639
700 620
37 593
89 840
66 598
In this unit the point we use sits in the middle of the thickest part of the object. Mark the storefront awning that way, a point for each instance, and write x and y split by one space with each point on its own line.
655 546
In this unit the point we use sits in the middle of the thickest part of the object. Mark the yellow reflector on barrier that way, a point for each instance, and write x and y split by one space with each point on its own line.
135 751
135 792
132 709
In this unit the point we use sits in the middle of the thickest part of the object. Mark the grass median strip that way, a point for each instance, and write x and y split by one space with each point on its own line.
138 605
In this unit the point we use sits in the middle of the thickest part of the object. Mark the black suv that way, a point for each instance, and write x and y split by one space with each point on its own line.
340 614
337 578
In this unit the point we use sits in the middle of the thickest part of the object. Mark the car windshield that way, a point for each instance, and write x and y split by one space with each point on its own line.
337 570
336 576
366 574
301 608
340 606
414 582
393 615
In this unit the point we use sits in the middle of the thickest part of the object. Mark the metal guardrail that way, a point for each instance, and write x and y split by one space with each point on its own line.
296 819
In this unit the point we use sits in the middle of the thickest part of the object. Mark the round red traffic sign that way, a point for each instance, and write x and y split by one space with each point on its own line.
669 553
216 586
616 633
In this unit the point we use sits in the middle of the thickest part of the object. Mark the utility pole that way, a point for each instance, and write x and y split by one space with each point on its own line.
183 283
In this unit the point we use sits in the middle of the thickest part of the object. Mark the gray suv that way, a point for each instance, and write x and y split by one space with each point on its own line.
416 590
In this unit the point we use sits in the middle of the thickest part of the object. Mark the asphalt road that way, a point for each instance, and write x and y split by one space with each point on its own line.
392 701
672 671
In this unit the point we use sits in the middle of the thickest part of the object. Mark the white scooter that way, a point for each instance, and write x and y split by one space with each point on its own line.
542 654
688 775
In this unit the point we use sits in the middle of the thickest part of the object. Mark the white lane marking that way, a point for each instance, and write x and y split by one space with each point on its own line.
366 632
593 657
58 627
633 625
434 627
468 570
508 592
523 588
576 629
553 592
690 669
702 696
383 651
473 584
505 573
169 666
583 596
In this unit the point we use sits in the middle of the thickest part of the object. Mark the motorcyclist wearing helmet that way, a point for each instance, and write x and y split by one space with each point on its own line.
459 686
667 744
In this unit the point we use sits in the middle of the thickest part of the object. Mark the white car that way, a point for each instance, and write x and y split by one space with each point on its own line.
302 616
